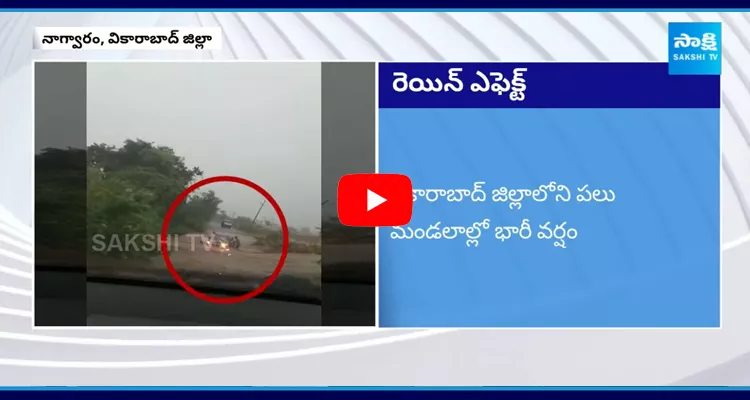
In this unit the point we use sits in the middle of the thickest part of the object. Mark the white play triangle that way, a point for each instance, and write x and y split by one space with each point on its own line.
373 200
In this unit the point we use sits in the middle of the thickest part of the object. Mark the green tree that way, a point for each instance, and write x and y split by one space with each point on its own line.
131 188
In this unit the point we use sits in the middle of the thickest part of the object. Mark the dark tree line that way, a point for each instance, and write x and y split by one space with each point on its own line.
128 190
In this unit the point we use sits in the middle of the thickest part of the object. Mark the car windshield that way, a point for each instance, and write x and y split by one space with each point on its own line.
230 250
222 238
146 207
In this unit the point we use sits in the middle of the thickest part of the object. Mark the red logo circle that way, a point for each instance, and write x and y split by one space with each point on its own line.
284 235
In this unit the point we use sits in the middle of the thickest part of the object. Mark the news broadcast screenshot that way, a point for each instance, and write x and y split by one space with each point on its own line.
270 200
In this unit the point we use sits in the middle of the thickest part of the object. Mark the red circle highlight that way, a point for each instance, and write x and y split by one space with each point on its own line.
284 235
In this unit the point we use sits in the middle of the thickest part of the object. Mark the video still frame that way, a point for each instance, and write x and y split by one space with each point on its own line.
154 131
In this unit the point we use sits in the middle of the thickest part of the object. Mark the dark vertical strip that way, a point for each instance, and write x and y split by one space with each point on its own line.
60 194
348 146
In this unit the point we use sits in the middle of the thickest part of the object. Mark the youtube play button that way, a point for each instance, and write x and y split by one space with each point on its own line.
375 200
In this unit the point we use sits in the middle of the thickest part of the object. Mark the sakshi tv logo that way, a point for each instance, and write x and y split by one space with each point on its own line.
706 44
694 48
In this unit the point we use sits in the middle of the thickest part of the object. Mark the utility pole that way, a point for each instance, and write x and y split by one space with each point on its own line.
258 213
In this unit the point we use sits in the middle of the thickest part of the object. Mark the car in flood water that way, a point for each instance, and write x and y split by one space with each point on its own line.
219 243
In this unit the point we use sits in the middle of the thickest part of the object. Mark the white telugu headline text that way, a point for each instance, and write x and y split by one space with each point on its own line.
560 233
479 82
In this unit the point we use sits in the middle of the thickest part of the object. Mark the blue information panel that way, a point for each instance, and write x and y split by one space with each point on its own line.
552 195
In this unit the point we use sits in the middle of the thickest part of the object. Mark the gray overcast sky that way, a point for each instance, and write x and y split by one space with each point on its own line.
259 121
